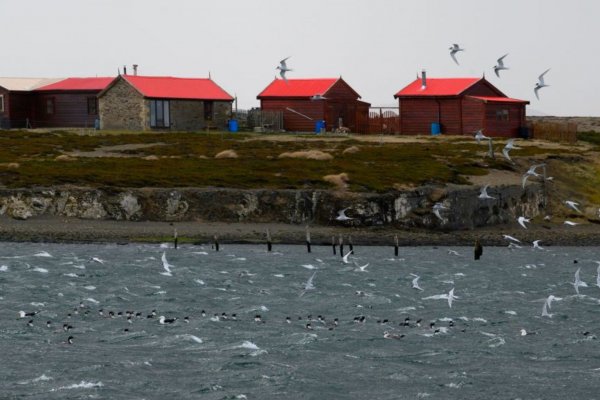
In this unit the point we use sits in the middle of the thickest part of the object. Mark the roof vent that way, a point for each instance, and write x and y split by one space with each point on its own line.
135 69
423 80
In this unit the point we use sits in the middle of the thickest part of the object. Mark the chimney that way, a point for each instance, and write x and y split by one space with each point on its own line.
135 69
124 69
423 79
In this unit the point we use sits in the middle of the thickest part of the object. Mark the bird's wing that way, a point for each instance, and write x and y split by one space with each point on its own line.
496 69
505 153
283 64
500 60
535 90
453 55
541 77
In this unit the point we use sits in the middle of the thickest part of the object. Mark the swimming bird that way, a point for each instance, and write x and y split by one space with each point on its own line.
23 314
536 245
455 48
483 195
283 68
513 239
540 84
500 66
162 320
436 210
577 283
69 340
521 220
573 205
342 215
415 282
510 145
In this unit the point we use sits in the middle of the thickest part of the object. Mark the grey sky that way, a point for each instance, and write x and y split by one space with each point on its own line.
377 46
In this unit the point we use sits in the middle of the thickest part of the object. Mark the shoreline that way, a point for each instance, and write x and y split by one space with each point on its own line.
73 230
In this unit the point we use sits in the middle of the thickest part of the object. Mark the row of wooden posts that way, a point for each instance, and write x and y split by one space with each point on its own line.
334 245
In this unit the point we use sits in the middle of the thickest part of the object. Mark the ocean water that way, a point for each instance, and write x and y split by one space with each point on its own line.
475 349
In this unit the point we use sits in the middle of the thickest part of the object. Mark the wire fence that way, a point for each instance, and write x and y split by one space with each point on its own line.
384 120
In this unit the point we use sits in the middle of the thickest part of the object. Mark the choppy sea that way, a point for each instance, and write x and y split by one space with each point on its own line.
262 325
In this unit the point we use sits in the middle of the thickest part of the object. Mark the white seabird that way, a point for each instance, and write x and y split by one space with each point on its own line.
510 145
521 220
455 48
342 215
415 282
573 205
309 284
436 210
536 245
540 84
166 265
345 257
500 66
483 195
513 239
571 223
577 283
283 68
479 136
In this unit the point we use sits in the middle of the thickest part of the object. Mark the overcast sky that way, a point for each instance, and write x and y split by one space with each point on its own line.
377 46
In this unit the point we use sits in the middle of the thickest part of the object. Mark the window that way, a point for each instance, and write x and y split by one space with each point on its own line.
1 103
50 106
208 110
502 115
159 114
92 105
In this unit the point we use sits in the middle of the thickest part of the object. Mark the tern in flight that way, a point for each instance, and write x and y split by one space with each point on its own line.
540 84
455 48
283 68
500 66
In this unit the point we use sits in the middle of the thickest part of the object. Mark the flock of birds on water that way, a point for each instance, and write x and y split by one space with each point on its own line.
393 329
454 49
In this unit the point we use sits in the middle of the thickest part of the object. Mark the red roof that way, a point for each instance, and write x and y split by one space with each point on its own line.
498 99
168 87
438 87
298 87
78 84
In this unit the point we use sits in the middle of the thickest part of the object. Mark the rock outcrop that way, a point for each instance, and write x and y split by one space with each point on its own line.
404 209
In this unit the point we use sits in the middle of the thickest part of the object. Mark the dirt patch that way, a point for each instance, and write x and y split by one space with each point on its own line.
113 151
227 154
308 155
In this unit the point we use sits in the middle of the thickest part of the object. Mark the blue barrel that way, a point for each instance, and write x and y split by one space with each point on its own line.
319 126
233 125
436 128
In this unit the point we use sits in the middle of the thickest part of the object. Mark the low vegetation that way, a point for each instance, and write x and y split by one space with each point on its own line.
180 159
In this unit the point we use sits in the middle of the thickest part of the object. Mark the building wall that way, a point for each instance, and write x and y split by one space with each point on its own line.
18 108
123 107
473 116
292 121
504 128
70 109
416 116
482 88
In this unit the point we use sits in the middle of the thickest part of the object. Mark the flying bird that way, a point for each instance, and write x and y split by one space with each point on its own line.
540 84
510 145
455 48
577 283
573 205
536 245
309 284
483 195
571 223
522 220
500 66
436 210
514 239
479 136
345 258
283 68
531 172
342 215
415 282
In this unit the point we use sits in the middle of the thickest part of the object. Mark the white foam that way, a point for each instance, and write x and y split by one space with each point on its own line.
165 245
81 385
3 268
279 276
42 254
309 266
199 281
194 338
510 312
79 266
71 275
248 345
90 287
40 378
405 309
91 300
42 270
264 308
203 253
37 304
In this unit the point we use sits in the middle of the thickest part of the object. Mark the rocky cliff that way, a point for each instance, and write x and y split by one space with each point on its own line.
403 209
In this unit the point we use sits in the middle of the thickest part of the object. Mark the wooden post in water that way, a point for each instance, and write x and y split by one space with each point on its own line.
216 243
269 244
396 245
341 242
307 239
175 238
333 244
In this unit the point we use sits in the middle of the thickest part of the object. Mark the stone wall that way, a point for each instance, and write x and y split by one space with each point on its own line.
187 115
122 107
404 209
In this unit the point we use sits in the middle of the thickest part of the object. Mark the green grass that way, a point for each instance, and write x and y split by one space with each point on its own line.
187 160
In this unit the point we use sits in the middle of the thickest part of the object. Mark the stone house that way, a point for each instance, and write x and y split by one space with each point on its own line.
136 102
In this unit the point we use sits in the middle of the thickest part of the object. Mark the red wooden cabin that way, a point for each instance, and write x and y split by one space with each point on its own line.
71 102
459 106
304 102
17 101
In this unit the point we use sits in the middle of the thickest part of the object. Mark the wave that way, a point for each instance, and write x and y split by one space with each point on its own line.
81 385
